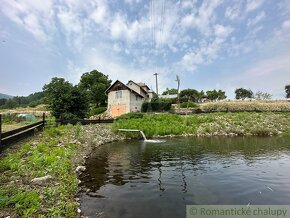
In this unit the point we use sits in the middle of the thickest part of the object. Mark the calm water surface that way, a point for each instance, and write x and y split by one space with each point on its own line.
140 179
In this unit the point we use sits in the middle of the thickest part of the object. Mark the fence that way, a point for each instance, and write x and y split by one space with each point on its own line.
15 135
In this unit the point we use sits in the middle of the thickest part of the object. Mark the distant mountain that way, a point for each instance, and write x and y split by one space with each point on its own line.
5 96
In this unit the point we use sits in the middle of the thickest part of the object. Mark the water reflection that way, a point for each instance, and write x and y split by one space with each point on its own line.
184 171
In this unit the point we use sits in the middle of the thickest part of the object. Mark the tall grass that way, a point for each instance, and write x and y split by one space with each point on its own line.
240 106
243 123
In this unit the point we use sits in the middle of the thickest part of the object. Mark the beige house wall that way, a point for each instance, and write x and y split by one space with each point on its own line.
135 87
136 102
113 101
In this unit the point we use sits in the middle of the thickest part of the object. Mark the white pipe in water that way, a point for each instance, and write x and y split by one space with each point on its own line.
134 130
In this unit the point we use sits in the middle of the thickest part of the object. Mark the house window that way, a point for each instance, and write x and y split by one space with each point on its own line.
136 98
118 94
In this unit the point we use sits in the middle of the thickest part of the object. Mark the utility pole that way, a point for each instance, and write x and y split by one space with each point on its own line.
178 85
156 74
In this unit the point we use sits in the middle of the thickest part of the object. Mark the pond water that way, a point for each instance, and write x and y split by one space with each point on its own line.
143 179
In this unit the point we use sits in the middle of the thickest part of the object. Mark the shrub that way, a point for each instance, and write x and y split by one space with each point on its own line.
168 100
98 110
189 104
132 115
155 106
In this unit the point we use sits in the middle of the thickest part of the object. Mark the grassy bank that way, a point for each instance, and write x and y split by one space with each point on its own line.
55 153
243 123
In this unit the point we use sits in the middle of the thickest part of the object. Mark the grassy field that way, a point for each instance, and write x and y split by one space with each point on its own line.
37 111
240 106
222 124
10 121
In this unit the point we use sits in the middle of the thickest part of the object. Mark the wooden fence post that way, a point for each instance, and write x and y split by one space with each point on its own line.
0 130
43 120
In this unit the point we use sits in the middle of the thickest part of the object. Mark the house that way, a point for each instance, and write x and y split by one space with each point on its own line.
125 98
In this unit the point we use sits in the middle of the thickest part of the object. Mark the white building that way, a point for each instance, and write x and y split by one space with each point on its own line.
127 98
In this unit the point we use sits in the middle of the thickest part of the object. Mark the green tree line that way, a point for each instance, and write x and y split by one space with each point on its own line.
31 100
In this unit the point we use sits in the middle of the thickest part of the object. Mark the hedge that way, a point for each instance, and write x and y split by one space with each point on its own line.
156 106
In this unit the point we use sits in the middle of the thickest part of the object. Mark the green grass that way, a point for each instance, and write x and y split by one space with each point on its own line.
243 123
52 155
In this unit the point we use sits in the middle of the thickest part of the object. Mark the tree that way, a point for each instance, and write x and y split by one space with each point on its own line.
189 94
242 93
2 101
170 92
94 84
201 95
221 95
216 95
65 100
287 89
262 96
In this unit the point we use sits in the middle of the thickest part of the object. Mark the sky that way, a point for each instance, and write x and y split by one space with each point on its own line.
210 44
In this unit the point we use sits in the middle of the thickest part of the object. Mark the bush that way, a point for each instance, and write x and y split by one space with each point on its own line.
189 104
168 100
132 115
156 106
98 110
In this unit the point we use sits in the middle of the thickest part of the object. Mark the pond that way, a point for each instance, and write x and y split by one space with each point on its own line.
143 179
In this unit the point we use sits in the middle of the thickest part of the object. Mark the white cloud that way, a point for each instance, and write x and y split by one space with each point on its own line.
72 28
33 16
100 13
257 19
233 12
131 32
222 31
253 5
208 49
32 25
131 2
191 60
188 4
203 18
286 25
95 58
283 33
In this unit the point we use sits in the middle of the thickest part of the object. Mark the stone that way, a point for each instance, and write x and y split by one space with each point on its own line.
80 169
41 180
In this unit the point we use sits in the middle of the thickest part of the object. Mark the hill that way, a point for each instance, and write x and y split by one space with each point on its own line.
5 96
